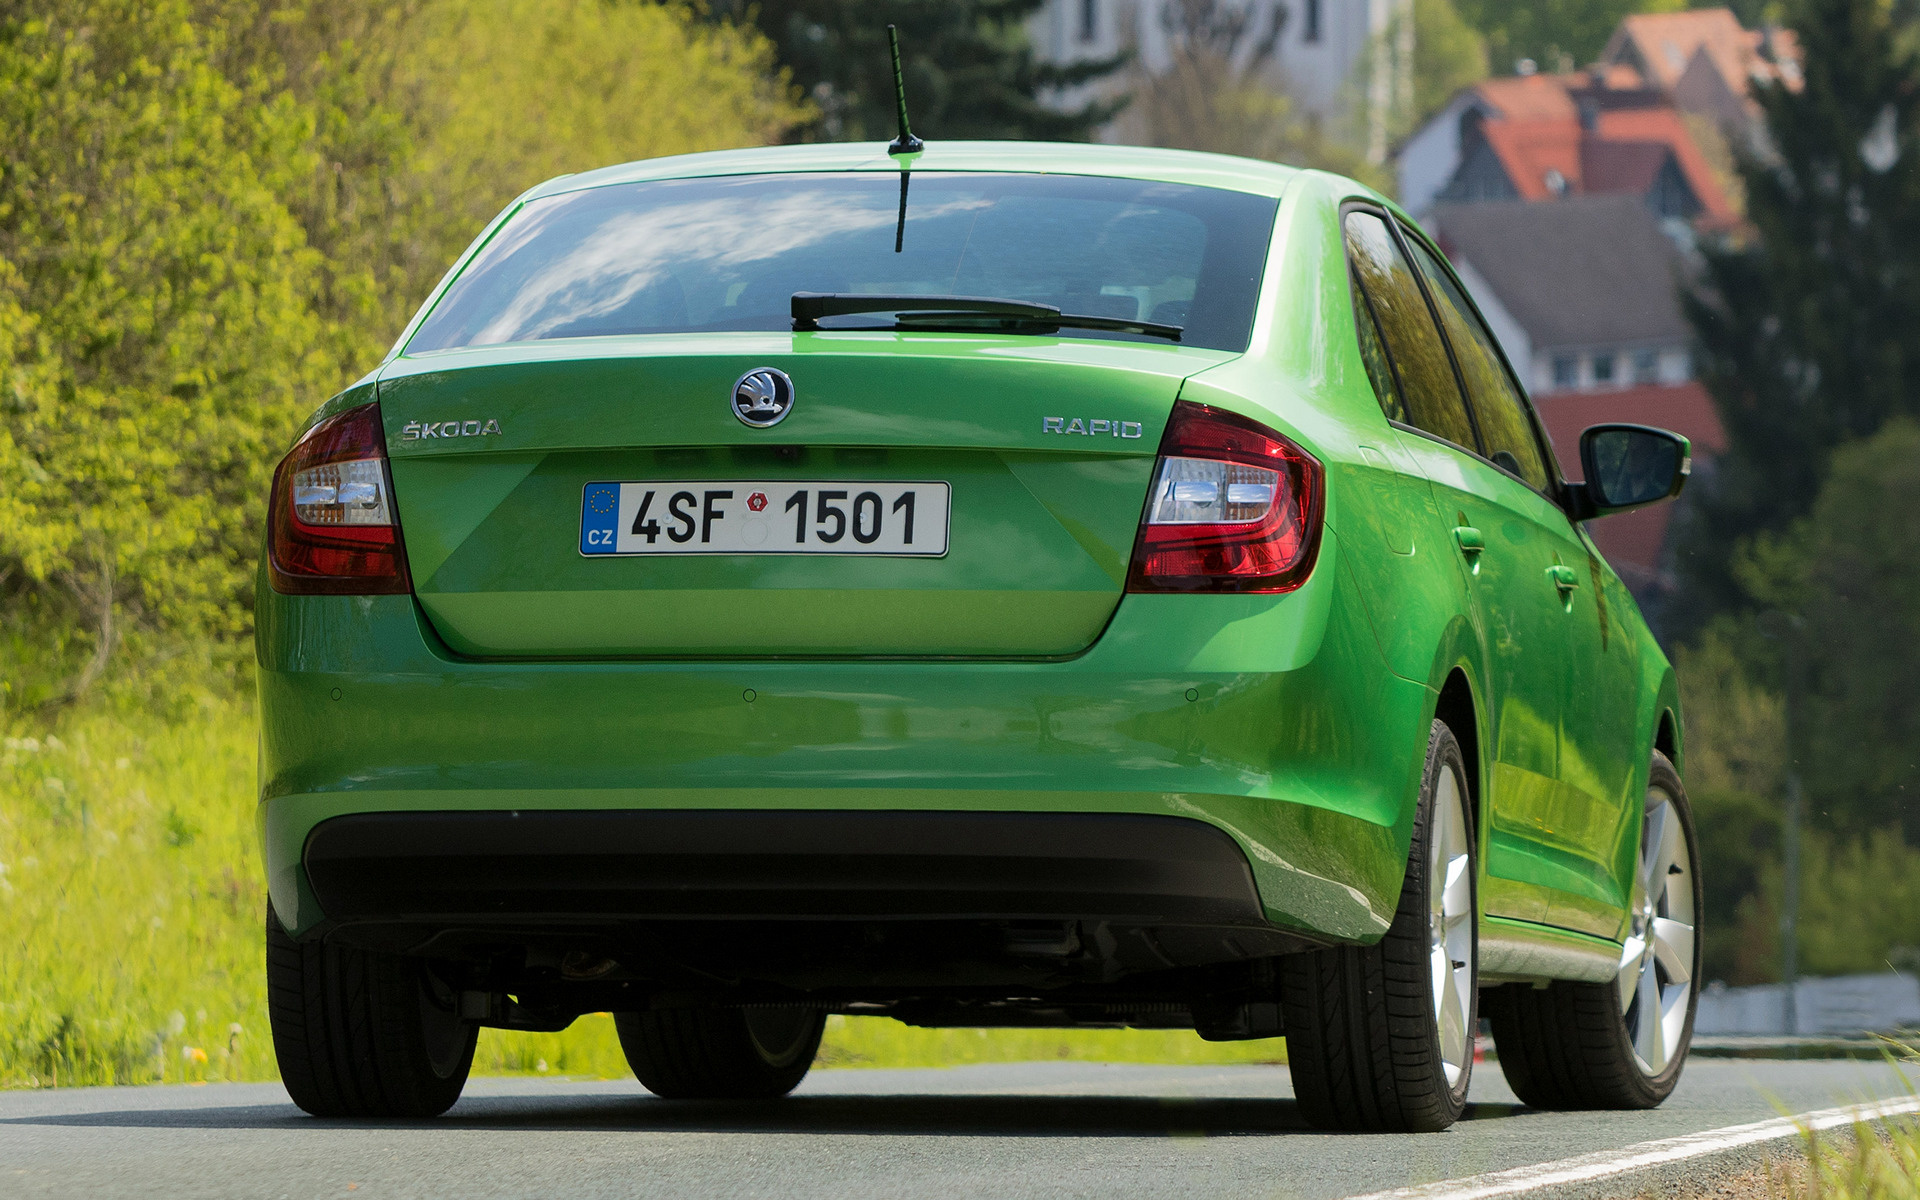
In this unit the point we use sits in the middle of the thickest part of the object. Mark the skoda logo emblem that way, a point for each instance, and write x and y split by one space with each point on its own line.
763 398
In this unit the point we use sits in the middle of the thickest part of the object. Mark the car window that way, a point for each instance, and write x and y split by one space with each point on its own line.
1427 387
1373 352
1506 431
695 255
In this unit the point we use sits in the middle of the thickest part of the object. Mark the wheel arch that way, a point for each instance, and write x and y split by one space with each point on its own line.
1665 730
1457 704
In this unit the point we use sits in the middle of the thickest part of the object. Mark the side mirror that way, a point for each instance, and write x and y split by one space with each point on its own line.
1630 465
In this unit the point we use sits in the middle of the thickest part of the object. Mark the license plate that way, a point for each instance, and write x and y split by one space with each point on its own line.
749 517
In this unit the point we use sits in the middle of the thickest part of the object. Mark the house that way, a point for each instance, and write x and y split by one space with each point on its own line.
1328 52
1601 131
1581 293
1704 61
1633 121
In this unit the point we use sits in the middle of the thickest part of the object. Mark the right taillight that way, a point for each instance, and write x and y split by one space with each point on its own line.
331 525
1235 507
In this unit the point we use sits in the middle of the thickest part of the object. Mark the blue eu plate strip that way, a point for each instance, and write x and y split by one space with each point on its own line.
599 518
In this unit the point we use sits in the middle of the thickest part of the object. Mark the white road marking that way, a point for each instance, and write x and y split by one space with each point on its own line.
1604 1163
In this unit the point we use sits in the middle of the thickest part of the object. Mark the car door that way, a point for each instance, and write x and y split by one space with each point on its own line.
1552 634
1494 522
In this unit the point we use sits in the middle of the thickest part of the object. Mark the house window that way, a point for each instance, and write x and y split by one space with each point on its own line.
1089 20
1311 25
1566 371
1646 366
1603 368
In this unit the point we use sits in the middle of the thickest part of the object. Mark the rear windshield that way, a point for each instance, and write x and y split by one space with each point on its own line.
691 255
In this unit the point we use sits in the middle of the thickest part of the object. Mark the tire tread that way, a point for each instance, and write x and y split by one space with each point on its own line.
345 1031
1360 1041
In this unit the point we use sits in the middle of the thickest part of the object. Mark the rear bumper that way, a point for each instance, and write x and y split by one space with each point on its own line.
1268 723
545 868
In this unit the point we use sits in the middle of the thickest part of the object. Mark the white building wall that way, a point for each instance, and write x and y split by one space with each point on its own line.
1321 76
1430 156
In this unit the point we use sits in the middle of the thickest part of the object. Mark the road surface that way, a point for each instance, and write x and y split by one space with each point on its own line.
1008 1132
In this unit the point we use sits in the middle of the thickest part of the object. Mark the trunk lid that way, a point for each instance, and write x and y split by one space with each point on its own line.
493 451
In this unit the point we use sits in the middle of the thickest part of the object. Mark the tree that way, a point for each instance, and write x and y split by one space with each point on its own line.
1853 574
1557 34
159 302
1805 328
970 70
494 117
1447 54
1216 92
213 213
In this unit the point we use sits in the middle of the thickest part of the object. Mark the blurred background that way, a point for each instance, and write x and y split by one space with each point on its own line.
213 214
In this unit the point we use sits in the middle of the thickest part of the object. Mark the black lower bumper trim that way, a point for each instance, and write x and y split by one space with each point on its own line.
539 867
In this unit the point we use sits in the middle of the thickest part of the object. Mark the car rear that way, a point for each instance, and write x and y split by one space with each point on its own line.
620 642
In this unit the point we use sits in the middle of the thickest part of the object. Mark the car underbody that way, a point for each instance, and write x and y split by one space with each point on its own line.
963 918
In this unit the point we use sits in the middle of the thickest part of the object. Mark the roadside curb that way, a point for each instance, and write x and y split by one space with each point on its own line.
1792 1047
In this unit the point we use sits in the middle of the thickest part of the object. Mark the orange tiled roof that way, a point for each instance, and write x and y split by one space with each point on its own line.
1530 149
1662 44
1663 126
1625 148
1527 97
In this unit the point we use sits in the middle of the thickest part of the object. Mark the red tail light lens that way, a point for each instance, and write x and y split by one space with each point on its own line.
1235 507
331 525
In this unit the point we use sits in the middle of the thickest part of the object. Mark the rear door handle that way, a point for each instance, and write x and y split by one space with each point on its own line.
1471 543
1564 578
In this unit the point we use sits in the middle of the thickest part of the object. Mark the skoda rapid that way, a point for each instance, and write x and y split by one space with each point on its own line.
997 585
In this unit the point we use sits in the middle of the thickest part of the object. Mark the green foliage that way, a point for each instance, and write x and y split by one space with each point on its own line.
1558 35
1879 1161
1448 54
1855 575
1861 573
156 318
970 70
1805 330
133 945
214 212
641 81
1736 755
1859 902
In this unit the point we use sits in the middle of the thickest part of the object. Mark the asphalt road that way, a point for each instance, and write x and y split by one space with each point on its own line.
1007 1132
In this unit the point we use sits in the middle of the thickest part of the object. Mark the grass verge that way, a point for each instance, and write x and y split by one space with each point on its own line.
130 906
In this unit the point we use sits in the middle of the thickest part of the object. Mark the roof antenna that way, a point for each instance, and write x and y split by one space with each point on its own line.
906 143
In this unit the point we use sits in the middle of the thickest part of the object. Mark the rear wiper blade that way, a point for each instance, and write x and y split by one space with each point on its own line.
1014 315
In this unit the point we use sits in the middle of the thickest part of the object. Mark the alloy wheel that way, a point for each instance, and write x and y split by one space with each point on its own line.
1656 964
1450 928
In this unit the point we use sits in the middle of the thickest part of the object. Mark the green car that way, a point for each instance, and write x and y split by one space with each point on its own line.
998 585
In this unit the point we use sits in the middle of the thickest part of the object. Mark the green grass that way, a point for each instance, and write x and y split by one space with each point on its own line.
130 907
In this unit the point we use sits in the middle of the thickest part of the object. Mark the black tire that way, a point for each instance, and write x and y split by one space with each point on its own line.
363 1034
1568 1045
1364 1039
720 1053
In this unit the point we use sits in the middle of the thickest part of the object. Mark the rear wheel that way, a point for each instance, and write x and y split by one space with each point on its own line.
363 1034
1381 1037
720 1053
1620 1044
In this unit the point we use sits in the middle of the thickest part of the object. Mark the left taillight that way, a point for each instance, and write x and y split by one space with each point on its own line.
1235 507
331 526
